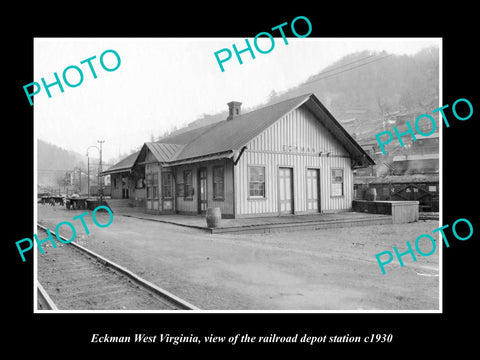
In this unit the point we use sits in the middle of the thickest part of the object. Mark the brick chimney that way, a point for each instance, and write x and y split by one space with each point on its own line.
233 109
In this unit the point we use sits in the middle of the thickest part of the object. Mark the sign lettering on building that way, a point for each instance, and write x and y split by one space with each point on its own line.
296 148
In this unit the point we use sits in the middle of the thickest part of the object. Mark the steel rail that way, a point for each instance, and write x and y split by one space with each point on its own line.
174 300
45 302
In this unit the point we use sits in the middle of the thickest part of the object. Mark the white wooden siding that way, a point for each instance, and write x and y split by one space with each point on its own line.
154 205
191 206
297 128
294 141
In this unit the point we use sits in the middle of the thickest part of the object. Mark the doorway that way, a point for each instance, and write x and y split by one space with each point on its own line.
285 190
152 191
313 190
202 190
125 182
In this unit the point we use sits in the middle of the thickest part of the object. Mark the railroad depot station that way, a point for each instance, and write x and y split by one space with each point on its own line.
292 157
284 171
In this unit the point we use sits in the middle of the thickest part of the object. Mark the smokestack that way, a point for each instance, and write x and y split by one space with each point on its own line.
233 109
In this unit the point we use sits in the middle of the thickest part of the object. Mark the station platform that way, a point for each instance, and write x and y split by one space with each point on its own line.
263 224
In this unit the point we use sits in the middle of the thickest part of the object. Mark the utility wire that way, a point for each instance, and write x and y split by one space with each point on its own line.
347 64
351 68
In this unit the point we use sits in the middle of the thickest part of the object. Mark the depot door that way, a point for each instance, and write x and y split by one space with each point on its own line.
167 191
313 198
125 194
285 190
152 191
202 190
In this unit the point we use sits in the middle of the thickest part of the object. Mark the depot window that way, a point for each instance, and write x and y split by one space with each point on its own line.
155 185
337 182
167 185
218 183
188 185
256 181
152 185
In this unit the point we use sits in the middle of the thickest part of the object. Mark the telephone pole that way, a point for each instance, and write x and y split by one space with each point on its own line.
100 179
80 181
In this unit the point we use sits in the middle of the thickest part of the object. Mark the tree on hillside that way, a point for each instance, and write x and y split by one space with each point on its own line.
420 87
379 83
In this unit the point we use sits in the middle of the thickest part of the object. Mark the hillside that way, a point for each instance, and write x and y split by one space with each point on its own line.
53 162
365 89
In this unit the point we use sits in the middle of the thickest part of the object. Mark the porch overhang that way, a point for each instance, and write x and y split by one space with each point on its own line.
217 156
115 171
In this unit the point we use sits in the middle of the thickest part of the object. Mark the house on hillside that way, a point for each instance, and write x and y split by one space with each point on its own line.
292 157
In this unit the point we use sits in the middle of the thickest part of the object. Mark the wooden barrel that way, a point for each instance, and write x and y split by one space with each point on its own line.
213 217
371 194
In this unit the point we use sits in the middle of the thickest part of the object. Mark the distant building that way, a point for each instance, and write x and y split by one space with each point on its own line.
415 157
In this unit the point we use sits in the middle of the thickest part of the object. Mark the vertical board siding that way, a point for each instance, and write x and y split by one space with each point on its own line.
298 128
183 205
226 205
191 206
149 156
116 192
156 205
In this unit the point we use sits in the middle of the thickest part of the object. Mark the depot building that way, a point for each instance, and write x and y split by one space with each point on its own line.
292 157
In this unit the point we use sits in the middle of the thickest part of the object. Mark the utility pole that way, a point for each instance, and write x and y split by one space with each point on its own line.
88 175
80 181
100 179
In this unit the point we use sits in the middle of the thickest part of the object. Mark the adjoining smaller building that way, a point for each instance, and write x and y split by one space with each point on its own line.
127 182
292 157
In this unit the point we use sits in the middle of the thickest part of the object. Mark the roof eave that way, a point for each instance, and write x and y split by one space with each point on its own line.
205 157
115 171
241 146
350 144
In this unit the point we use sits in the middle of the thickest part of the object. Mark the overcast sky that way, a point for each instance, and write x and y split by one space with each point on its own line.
166 82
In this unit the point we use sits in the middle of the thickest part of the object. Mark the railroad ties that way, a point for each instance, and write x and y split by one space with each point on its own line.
75 278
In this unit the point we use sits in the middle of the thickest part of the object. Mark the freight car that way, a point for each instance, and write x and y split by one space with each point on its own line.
423 188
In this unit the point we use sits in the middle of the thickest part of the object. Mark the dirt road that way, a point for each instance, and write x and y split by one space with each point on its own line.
310 270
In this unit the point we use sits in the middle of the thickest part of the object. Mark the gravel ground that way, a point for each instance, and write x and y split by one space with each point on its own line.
74 281
332 269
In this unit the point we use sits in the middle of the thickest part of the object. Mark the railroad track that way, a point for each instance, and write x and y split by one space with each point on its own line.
71 277
43 299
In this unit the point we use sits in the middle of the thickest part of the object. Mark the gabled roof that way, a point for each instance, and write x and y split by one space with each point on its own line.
359 156
186 136
228 137
164 152
123 165
231 135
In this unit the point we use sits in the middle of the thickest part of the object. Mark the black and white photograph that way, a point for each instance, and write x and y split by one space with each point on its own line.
259 187
295 180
